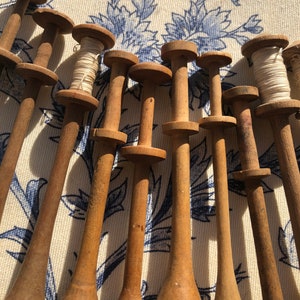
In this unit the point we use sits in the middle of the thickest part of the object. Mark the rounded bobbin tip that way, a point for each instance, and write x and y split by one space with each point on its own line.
151 71
263 41
44 16
178 48
245 93
289 52
218 58
94 31
120 57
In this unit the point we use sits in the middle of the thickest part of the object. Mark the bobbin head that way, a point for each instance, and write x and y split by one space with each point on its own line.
290 52
120 57
240 93
150 71
180 48
263 41
45 16
94 31
216 58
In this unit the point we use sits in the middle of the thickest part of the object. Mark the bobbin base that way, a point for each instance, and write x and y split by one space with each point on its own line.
279 107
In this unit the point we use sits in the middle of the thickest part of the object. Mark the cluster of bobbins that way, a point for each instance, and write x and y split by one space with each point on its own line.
264 51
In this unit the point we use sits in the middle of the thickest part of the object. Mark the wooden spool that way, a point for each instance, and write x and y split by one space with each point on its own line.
77 102
83 283
9 33
180 282
143 155
278 112
226 283
251 174
36 75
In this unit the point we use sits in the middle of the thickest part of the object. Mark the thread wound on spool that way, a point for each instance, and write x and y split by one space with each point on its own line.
270 74
87 64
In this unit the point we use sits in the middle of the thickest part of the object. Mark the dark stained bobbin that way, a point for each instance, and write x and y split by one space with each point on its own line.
278 113
251 174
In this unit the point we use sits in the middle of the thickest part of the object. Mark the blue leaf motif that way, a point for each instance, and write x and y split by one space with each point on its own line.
29 199
115 200
287 246
144 8
76 204
158 240
3 144
252 25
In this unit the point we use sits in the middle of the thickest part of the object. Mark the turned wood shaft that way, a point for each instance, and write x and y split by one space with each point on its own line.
26 109
83 283
143 155
34 267
13 24
226 287
180 282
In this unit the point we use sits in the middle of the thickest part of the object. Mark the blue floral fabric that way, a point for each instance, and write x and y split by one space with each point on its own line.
142 27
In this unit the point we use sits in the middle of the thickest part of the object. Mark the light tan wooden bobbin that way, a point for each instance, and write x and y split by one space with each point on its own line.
216 122
36 75
180 282
278 112
9 33
251 174
77 102
143 155
83 283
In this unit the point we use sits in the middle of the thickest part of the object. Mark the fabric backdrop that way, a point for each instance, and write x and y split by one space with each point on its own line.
142 27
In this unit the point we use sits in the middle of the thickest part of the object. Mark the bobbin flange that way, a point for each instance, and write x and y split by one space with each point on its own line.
279 107
46 16
246 92
151 71
263 41
217 58
186 49
77 97
145 154
44 75
119 57
290 52
100 134
8 58
96 32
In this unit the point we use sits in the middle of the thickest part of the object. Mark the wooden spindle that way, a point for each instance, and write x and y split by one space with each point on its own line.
180 281
83 283
9 33
251 174
143 155
216 122
30 282
36 75
278 113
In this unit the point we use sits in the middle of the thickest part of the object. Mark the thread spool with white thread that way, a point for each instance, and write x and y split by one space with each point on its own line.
270 74
87 64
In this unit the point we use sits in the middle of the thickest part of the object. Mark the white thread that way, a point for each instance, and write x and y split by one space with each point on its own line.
270 74
295 63
87 64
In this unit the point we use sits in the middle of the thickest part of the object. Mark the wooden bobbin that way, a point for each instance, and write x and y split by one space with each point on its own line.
83 283
278 112
180 282
34 267
226 283
143 155
9 33
36 75
239 98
